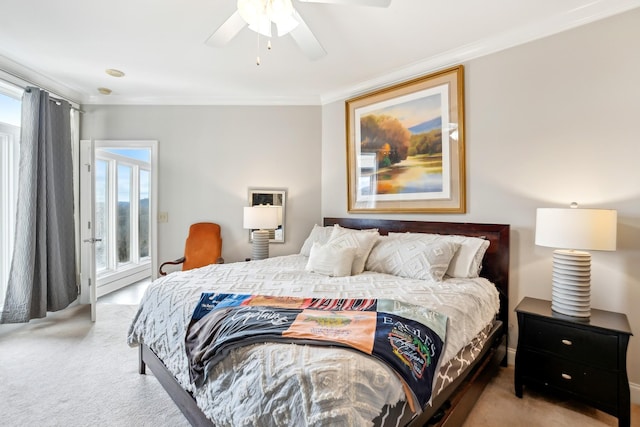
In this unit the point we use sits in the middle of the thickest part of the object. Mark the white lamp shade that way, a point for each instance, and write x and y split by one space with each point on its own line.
573 228
279 208
262 217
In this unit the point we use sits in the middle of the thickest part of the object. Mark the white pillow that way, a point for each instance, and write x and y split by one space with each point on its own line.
318 234
412 256
330 260
467 262
362 240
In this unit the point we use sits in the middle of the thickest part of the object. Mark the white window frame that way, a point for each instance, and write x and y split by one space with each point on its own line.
138 267
9 163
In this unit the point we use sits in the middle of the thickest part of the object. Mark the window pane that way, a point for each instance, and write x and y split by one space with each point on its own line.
143 212
124 213
142 154
102 214
10 110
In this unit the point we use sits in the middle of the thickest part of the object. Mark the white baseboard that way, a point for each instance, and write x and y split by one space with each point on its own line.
633 387
635 393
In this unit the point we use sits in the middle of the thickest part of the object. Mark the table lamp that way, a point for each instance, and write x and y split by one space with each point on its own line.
261 219
574 231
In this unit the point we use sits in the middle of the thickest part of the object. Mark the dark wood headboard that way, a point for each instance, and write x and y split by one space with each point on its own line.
495 265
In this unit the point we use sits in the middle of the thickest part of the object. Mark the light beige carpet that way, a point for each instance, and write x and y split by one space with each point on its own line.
66 371
499 406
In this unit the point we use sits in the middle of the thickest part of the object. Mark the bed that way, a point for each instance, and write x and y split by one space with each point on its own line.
160 326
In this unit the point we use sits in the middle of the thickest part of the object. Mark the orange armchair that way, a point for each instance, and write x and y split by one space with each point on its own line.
203 247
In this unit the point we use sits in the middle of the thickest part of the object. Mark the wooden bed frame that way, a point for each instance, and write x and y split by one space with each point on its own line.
450 407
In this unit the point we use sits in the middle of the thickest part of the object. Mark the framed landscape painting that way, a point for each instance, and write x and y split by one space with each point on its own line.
405 146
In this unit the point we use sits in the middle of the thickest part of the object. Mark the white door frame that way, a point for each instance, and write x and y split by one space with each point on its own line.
87 219
88 291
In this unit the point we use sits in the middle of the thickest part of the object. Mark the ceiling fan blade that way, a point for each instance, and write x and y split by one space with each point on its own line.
227 31
305 39
373 3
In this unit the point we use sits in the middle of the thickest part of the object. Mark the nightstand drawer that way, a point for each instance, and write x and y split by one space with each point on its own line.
584 346
584 358
586 381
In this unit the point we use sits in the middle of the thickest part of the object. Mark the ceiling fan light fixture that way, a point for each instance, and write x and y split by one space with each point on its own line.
261 14
286 25
261 25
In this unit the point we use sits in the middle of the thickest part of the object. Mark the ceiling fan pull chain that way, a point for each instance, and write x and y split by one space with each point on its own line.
258 50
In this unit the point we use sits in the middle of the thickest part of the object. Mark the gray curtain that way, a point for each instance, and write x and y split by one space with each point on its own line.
43 270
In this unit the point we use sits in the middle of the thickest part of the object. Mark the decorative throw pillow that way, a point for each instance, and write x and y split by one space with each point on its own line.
318 234
467 261
412 256
362 240
330 260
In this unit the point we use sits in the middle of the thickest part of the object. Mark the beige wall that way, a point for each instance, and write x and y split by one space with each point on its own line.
210 156
548 123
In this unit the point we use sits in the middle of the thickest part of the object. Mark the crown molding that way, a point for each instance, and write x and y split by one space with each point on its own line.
22 76
205 100
592 12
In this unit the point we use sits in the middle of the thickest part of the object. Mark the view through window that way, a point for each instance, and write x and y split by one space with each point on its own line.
122 191
10 110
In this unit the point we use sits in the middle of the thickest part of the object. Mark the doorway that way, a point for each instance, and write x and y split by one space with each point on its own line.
121 215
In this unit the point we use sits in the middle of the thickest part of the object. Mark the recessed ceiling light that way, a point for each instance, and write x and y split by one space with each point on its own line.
104 90
114 73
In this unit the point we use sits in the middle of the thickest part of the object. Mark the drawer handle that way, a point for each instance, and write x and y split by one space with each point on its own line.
567 342
566 376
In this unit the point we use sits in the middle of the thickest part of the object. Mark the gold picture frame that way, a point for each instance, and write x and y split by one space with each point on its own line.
397 158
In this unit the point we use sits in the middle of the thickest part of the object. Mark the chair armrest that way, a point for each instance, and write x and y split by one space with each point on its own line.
176 262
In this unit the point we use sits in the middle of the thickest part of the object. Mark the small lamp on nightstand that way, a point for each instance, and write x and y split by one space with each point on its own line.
574 231
261 219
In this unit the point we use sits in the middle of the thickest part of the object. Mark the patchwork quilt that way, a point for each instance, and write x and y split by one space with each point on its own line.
408 338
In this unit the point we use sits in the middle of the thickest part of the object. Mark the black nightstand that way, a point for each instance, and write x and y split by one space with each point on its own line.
585 359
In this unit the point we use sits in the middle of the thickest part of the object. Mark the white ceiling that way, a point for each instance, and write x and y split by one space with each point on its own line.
66 46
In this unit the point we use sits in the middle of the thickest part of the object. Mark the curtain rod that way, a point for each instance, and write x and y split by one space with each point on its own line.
57 101
28 82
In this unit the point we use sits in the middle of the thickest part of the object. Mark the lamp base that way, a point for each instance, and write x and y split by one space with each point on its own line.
260 248
571 291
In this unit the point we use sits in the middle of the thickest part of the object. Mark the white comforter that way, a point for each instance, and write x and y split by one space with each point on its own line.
287 384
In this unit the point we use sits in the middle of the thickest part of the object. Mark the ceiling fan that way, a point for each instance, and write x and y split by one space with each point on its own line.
261 15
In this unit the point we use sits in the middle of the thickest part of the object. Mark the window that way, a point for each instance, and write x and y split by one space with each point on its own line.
102 214
10 110
122 188
144 225
124 212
